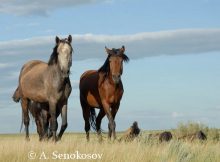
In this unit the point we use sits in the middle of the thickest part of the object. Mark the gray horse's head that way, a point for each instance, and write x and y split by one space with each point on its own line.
64 51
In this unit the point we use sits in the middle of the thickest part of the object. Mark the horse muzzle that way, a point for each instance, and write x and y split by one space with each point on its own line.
116 78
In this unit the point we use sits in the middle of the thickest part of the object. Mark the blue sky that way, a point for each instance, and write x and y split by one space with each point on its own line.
174 46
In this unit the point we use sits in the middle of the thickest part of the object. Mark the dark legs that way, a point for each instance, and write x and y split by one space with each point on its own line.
105 110
98 122
64 121
86 115
53 125
39 124
45 118
26 119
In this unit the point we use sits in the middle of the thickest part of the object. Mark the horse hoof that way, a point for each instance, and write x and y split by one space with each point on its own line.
100 140
58 138
27 139
54 139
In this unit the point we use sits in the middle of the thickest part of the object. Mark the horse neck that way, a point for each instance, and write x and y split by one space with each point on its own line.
110 79
57 73
108 76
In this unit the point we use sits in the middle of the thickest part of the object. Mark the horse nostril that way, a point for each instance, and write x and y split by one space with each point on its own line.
116 78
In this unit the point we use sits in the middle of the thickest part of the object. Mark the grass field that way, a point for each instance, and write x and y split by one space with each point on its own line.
74 147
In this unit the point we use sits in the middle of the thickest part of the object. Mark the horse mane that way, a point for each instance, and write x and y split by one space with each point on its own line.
53 56
105 67
125 58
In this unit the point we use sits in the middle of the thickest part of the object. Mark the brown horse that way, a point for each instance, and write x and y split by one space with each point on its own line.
42 82
103 89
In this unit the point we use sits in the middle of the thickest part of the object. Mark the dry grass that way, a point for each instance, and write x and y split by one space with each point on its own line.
15 148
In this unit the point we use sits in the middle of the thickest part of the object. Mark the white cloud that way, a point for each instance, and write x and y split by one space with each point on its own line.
174 42
39 7
4 65
176 115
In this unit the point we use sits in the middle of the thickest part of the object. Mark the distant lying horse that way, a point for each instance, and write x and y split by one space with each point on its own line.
200 135
42 82
103 89
165 136
131 133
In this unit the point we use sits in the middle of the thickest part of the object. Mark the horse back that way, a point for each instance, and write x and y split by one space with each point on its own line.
28 66
31 80
25 68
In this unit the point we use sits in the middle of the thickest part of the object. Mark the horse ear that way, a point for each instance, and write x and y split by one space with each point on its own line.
108 50
57 39
122 50
70 38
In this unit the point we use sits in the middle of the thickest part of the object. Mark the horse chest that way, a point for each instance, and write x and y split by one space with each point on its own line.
111 94
56 88
114 97
111 99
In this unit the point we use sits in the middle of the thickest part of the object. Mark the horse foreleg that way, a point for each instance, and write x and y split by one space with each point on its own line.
98 122
114 111
38 121
64 121
49 131
111 124
45 123
53 125
86 116
24 104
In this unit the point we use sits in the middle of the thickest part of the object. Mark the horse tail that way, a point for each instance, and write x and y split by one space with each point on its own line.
22 121
16 96
31 112
92 118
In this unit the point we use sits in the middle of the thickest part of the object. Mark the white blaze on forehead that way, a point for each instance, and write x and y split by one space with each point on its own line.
64 56
64 48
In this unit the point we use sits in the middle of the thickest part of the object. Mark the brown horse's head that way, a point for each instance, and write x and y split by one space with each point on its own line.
115 62
62 54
